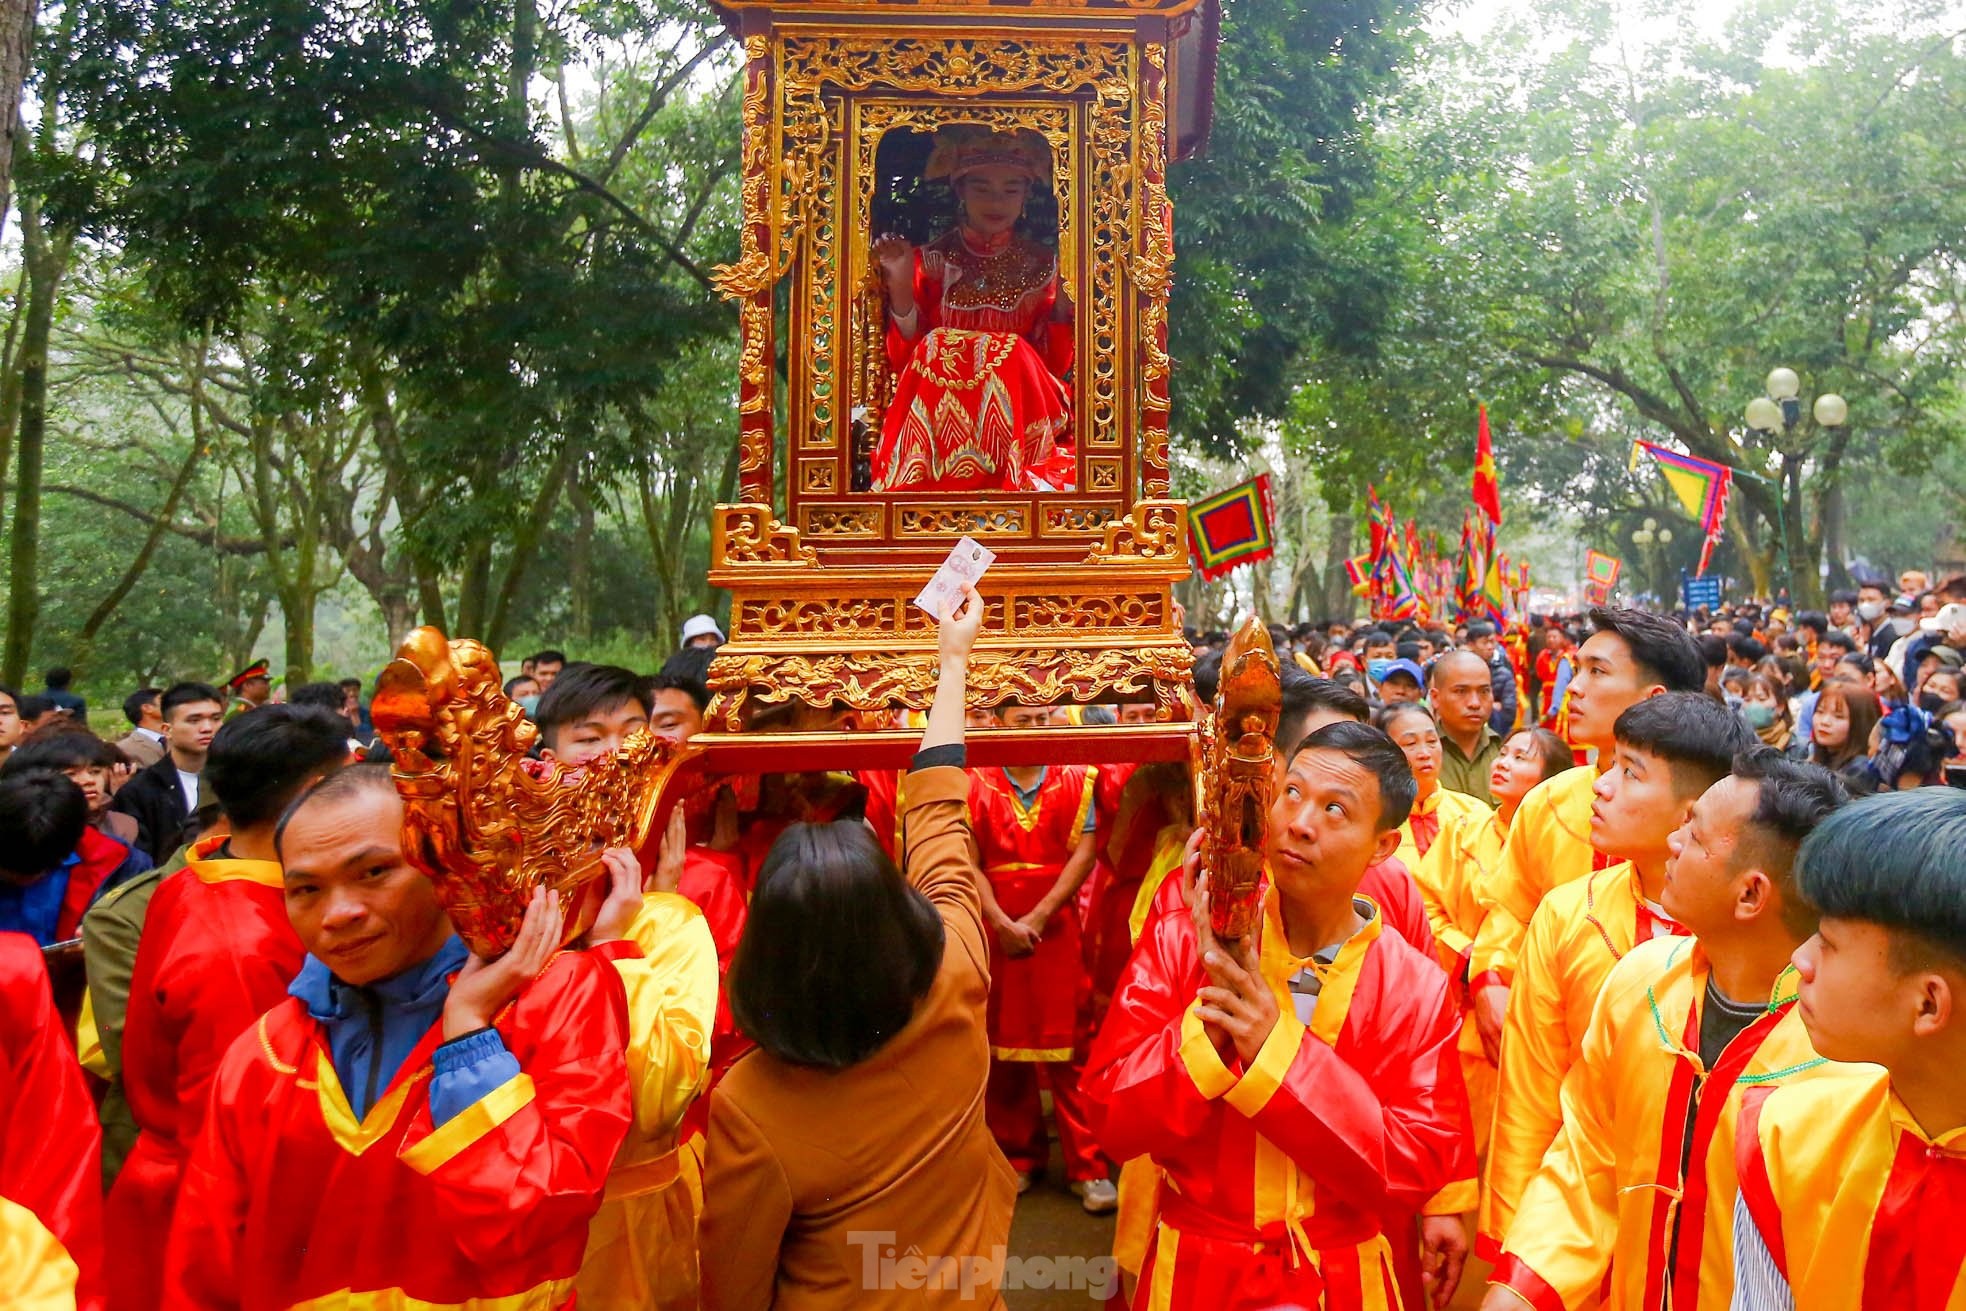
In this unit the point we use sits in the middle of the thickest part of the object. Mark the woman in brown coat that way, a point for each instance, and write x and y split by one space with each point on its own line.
852 1142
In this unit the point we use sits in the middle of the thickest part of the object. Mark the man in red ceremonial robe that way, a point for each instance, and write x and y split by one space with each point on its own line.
414 1125
50 1170
1299 1093
1034 832
216 953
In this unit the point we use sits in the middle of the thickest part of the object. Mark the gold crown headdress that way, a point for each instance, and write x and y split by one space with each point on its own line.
487 825
960 150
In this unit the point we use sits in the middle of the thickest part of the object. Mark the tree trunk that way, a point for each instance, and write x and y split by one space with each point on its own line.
16 44
580 563
525 545
1337 601
46 260
473 592
10 387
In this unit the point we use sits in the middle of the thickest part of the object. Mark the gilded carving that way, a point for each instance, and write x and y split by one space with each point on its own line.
487 825
879 682
860 521
962 520
1156 531
749 534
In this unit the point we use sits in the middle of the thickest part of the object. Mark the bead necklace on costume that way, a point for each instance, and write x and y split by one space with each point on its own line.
993 279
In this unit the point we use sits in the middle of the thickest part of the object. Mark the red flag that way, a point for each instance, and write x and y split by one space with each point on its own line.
1487 491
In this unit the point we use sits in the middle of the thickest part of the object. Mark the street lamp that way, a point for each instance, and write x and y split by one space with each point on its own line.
1776 414
1646 534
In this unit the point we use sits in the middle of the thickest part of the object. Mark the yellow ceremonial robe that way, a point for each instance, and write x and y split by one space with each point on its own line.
1469 845
1860 1209
641 1246
1580 931
1610 1197
1444 807
1549 845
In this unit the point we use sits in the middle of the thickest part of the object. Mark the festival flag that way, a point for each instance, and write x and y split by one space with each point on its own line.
1358 572
1232 528
1600 575
1402 600
1487 489
1492 605
1700 485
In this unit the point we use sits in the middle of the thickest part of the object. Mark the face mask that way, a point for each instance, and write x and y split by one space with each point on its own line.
1377 669
1870 610
1901 625
1930 702
1759 715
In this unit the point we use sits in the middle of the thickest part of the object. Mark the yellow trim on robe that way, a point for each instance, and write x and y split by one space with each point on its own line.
1283 1195
1265 1074
543 1297
88 1039
339 1116
41 1276
1204 1064
1169 845
1040 1054
266 873
469 1125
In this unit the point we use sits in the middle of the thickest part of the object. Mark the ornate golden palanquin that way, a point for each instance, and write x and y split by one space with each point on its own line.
822 575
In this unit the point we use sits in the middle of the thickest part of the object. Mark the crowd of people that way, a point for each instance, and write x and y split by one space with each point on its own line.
1585 948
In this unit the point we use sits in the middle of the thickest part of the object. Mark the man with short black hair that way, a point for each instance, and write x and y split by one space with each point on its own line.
544 666
164 797
215 952
52 863
679 696
1462 692
1668 750
1632 655
589 711
55 689
411 1124
144 743
1483 641
1644 1117
1308 1125
1850 1185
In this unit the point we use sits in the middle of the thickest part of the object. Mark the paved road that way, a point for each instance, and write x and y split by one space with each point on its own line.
1050 1224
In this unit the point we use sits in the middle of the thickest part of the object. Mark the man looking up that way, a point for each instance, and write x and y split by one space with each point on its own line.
1646 1119
1463 698
1850 1185
1668 751
163 798
1633 655
215 952
413 1125
1296 1088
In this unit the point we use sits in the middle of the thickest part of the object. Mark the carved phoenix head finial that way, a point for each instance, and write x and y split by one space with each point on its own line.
487 824
1239 779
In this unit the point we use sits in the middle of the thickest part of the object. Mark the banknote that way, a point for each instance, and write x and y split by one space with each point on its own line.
965 564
